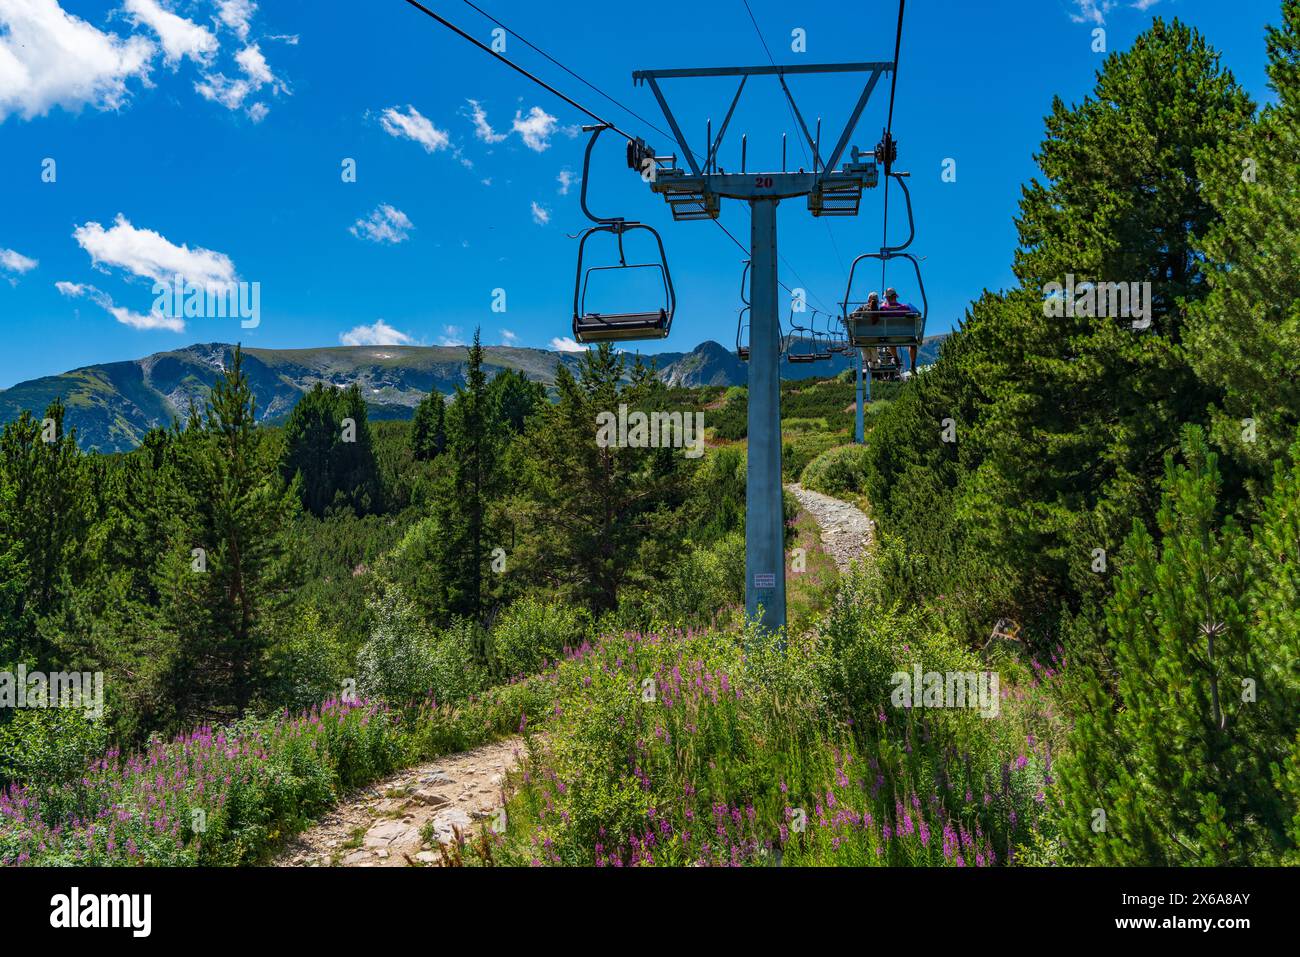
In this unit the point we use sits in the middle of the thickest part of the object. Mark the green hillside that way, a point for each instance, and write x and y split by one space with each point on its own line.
113 405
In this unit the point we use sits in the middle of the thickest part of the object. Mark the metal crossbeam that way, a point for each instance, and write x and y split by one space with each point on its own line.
652 77
884 66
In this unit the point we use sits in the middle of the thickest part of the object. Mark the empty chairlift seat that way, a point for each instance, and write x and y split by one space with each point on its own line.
656 318
652 323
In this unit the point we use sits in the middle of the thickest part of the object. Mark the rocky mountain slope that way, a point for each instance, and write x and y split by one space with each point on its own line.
114 404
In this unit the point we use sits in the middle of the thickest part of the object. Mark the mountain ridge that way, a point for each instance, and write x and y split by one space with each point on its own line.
113 404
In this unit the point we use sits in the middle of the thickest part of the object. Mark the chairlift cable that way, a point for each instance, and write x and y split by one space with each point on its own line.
534 47
567 99
516 67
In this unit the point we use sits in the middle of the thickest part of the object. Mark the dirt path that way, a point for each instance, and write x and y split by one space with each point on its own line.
381 825
846 531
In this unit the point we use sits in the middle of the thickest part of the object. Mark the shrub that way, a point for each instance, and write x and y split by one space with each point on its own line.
398 661
838 471
44 747
532 632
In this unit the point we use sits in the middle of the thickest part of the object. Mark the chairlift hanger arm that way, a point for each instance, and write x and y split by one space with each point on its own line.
586 178
890 251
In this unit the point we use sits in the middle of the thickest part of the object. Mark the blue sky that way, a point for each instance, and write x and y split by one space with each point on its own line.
210 136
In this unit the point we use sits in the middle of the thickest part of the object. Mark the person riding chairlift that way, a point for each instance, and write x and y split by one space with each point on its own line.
891 302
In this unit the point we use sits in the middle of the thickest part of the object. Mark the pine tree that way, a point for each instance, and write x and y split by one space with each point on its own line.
356 473
216 600
463 510
1244 338
1078 412
593 514
43 522
514 398
1187 764
428 428
328 444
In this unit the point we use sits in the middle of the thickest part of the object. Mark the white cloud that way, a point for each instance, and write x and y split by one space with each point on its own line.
180 37
50 58
231 93
541 215
566 344
236 15
379 334
220 88
125 316
1092 11
386 224
150 255
13 261
414 126
536 128
508 338
482 128
566 179
253 63
451 336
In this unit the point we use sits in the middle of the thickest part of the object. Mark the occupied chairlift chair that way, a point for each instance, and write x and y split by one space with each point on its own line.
905 326
621 326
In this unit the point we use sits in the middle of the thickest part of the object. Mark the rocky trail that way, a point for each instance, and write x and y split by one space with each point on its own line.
384 824
846 530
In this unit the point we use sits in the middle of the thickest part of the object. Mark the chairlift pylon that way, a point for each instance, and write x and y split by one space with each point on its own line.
589 326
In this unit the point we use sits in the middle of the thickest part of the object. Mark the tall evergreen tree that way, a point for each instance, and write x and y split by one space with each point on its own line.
514 398
463 511
43 522
1244 338
216 600
428 428
328 444
591 511
1062 421
1190 767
